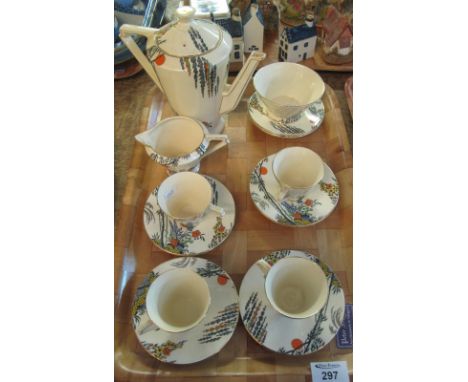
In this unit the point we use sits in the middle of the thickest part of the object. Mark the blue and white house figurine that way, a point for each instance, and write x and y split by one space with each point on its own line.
234 26
298 43
253 28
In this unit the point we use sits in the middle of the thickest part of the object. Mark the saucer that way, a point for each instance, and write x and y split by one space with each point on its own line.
296 126
178 238
282 334
311 209
205 339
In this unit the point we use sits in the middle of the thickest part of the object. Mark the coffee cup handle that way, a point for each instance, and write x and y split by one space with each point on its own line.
264 266
223 138
217 209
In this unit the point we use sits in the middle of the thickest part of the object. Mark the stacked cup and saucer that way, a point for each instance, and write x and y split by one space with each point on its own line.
186 309
294 187
287 100
291 302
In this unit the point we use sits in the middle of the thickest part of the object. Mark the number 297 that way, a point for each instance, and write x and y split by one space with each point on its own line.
329 375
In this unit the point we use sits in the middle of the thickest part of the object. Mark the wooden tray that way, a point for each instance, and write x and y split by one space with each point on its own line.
253 237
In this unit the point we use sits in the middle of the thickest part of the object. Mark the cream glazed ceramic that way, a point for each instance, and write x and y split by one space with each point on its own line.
278 332
297 126
287 89
209 335
192 237
312 208
186 197
179 143
297 170
189 59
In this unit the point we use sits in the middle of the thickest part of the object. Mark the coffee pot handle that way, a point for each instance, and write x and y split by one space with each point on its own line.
126 32
223 141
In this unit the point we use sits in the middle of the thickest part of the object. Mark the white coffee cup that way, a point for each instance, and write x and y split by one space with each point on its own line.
178 300
180 143
287 88
297 170
186 196
296 287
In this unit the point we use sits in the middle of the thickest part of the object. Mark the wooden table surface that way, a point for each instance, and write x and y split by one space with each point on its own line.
242 359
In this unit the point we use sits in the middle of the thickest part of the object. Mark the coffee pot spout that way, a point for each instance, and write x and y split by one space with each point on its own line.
234 92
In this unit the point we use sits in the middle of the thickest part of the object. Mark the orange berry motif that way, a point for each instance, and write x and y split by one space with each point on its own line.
222 279
308 202
221 229
296 343
297 216
174 242
196 233
160 59
263 170
167 351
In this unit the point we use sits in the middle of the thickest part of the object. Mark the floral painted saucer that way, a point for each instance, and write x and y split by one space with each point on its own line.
296 126
178 238
282 334
310 209
203 340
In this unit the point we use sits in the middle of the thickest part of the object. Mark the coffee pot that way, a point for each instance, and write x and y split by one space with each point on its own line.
188 59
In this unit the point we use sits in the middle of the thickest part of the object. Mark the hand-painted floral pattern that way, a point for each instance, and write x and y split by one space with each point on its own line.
314 341
255 319
205 339
258 314
180 238
220 233
332 189
273 257
203 72
222 324
164 350
210 270
296 126
285 129
307 210
302 211
138 306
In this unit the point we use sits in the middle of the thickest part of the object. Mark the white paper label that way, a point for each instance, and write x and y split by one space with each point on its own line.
329 371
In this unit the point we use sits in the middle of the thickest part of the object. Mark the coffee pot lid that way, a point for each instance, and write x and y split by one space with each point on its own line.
188 36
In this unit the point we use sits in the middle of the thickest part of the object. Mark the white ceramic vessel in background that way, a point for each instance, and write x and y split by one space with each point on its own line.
189 60
179 143
297 170
295 287
178 300
186 196
287 88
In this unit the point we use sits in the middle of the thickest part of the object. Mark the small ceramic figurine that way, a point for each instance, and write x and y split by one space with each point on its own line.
253 28
298 43
234 26
337 37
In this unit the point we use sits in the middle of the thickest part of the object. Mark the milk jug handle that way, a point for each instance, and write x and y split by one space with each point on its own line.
223 141
126 32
